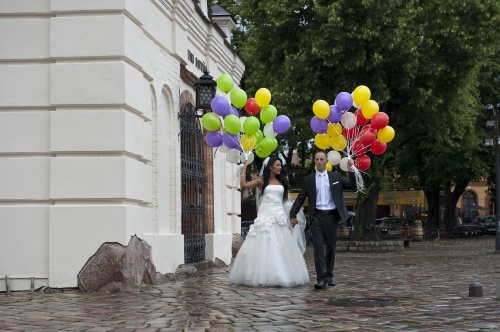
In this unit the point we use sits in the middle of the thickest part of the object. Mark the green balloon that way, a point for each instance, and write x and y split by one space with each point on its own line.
210 121
261 152
225 83
269 143
238 98
268 114
232 124
251 125
259 135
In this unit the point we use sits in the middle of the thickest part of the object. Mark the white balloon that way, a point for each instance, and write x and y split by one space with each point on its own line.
343 164
249 158
242 121
334 157
353 103
348 120
223 148
269 131
233 156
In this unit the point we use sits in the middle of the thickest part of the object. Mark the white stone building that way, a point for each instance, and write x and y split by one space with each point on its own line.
90 134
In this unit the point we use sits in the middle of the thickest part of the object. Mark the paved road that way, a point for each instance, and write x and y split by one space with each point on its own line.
424 288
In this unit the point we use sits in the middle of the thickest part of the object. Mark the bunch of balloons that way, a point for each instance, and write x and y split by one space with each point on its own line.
352 133
239 137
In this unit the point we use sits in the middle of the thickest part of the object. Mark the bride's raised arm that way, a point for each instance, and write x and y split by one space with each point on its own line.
259 182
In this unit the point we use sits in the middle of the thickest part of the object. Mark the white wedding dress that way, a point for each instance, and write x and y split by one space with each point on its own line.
270 255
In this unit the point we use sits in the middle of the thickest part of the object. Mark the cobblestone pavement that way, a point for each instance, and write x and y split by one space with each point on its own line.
423 288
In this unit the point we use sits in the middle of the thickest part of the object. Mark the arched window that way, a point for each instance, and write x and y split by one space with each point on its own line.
469 198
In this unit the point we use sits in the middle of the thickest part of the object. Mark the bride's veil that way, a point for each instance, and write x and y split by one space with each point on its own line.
298 231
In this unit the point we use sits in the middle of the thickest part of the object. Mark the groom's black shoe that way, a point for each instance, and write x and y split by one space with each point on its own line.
331 282
320 285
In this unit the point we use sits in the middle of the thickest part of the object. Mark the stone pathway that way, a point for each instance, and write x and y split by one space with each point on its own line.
423 288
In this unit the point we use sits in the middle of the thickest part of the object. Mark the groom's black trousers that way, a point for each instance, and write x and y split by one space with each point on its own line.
324 236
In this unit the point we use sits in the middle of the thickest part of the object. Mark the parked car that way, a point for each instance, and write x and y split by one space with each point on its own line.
388 226
486 224
469 229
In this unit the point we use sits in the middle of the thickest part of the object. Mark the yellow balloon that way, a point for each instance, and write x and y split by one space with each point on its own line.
263 97
321 109
334 129
329 167
248 143
339 142
369 109
361 95
386 134
322 141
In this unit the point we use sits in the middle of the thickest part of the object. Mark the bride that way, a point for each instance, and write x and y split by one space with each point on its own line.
271 255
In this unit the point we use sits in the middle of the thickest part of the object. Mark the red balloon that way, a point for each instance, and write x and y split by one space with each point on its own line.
378 147
379 120
360 119
251 106
363 162
350 133
358 148
367 136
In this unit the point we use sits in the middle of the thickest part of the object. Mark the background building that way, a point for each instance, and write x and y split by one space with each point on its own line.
98 135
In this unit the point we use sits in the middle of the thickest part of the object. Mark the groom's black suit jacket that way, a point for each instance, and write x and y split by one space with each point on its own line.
337 185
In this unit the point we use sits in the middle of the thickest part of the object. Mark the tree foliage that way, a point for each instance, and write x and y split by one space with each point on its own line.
427 63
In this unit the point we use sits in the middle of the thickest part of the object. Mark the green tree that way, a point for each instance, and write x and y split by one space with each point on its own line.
423 61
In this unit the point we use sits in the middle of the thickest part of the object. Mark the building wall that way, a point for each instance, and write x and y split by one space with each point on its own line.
89 96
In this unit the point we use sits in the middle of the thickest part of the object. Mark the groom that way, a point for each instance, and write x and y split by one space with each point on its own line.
326 208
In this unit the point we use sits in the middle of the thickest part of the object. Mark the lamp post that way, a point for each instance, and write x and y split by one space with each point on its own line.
494 114
205 91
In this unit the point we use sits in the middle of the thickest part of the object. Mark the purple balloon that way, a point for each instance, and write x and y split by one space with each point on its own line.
214 139
335 114
319 126
220 106
281 124
234 111
343 101
230 140
239 148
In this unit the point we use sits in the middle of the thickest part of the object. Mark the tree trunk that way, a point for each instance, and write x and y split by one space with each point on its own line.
432 196
366 212
451 200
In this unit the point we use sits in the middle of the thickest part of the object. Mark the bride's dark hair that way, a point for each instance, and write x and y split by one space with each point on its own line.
266 174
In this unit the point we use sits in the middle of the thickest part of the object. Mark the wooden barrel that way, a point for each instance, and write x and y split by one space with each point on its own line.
403 232
343 231
417 233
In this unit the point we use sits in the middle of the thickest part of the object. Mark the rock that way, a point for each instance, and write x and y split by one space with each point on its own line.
218 263
113 287
187 270
161 279
237 243
475 290
115 268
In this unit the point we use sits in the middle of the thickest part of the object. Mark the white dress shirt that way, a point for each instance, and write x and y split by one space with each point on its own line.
324 199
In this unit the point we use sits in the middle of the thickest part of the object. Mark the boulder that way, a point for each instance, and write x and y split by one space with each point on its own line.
218 263
115 268
186 269
237 243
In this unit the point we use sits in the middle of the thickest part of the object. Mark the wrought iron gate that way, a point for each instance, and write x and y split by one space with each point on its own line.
193 182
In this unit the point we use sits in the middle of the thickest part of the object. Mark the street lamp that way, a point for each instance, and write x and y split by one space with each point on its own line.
205 91
494 114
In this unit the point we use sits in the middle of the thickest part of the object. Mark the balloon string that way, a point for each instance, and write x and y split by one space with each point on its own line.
360 184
